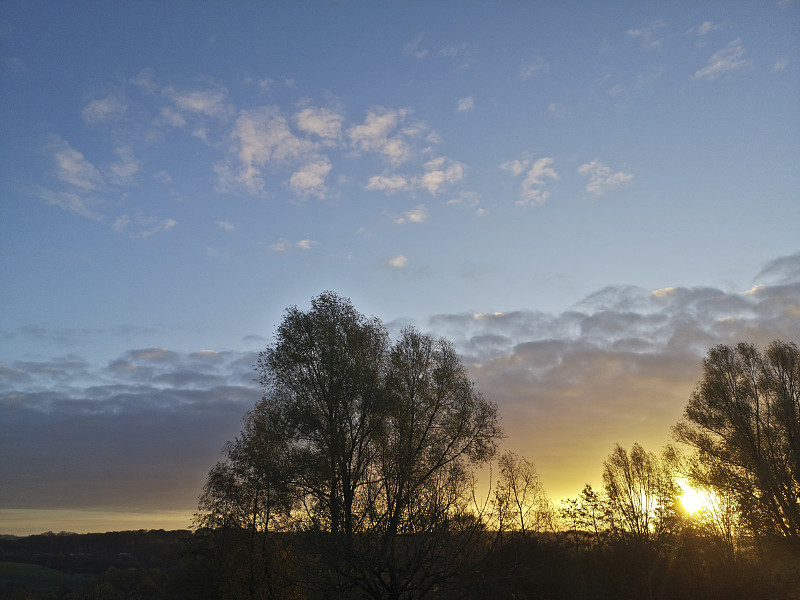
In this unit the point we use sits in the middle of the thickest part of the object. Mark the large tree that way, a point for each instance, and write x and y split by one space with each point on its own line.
375 444
744 420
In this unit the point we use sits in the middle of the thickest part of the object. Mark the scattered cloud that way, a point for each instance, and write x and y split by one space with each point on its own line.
123 171
537 173
262 136
163 177
104 110
465 105
724 61
441 172
399 261
601 177
388 183
141 228
306 244
209 103
556 110
463 53
309 180
704 29
70 201
780 64
282 245
419 214
529 68
229 227
380 133
72 167
413 48
649 35
321 122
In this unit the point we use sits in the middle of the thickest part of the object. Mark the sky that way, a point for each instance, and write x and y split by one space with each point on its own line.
583 196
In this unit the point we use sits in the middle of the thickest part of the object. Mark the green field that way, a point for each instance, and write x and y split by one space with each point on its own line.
40 579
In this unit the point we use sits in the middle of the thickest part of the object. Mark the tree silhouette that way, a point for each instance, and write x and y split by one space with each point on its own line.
743 418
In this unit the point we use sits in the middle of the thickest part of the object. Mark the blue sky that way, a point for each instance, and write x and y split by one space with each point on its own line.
583 196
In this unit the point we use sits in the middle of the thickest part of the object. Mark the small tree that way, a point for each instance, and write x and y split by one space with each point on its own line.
641 493
520 501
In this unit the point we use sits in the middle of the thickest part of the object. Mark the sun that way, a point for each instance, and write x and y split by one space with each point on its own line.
694 499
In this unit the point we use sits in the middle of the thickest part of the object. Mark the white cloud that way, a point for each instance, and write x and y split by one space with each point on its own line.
261 136
412 48
465 104
170 116
104 110
209 103
419 214
379 134
306 244
464 53
282 245
226 225
122 172
649 35
68 201
309 180
556 110
163 177
73 168
723 61
440 172
140 227
388 183
465 199
528 68
536 175
780 64
398 262
601 178
321 122
705 28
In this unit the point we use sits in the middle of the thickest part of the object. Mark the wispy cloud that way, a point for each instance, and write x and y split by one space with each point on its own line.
465 105
602 178
73 168
79 204
229 227
123 171
104 110
210 102
724 61
529 68
649 35
141 228
414 48
536 172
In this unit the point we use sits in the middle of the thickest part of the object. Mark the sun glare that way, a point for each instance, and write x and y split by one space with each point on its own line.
692 498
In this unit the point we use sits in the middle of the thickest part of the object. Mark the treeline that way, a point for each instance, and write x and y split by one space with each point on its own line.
353 477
